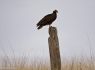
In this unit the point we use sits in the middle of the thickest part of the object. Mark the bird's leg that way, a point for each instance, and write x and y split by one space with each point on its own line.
49 25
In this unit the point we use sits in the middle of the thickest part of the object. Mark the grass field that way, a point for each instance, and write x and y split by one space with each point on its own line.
74 63
83 63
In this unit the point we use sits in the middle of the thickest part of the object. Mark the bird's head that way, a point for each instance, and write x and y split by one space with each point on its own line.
55 11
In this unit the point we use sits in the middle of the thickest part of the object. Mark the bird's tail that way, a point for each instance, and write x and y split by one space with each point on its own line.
39 27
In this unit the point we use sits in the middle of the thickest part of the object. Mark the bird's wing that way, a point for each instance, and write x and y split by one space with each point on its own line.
44 19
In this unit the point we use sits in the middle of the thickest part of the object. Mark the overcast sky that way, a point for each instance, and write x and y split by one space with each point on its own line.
75 24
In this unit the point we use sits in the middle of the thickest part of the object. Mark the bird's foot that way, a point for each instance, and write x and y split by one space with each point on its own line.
50 26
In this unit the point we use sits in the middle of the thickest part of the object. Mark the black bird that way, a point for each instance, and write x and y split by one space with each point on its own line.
47 20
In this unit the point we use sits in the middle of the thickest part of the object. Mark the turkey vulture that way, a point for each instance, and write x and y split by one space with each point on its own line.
47 20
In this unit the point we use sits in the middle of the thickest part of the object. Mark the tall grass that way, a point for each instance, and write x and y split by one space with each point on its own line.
75 63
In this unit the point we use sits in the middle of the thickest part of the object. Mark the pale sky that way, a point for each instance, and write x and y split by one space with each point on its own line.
75 24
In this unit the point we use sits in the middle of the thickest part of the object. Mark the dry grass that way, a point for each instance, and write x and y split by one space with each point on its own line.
79 64
73 64
83 63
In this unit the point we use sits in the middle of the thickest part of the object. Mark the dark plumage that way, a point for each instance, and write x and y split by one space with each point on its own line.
47 20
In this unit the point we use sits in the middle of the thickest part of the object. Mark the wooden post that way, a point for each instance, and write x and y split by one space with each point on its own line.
55 59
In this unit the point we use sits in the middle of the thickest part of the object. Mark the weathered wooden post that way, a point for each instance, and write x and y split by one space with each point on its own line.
55 59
